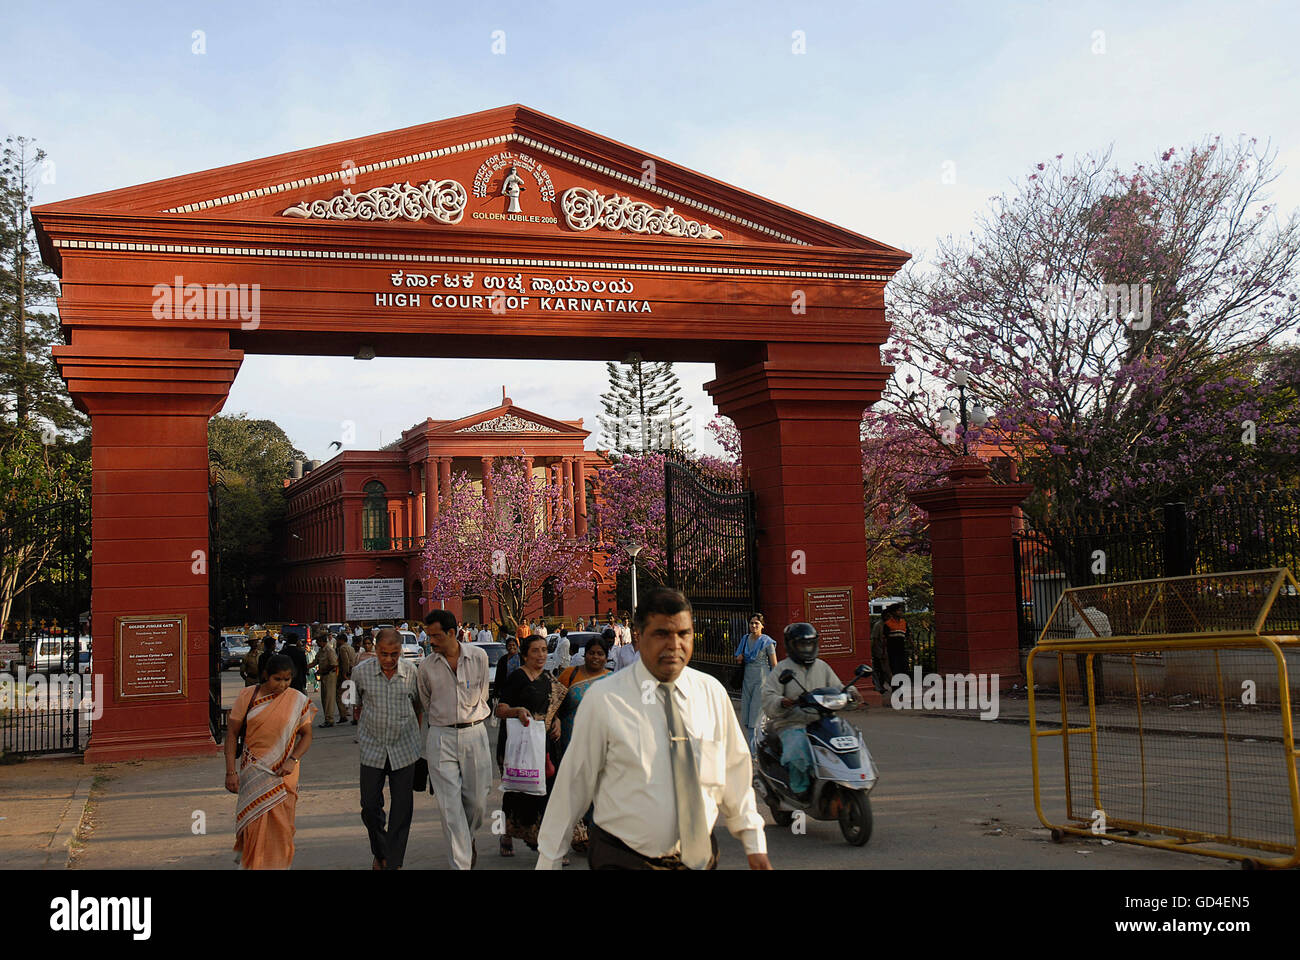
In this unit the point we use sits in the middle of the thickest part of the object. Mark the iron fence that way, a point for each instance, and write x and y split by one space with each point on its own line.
47 692
1221 531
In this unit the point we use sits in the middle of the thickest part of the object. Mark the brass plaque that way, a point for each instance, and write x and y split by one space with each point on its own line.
150 655
830 610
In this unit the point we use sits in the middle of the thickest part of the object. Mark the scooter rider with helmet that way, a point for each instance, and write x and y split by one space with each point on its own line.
784 718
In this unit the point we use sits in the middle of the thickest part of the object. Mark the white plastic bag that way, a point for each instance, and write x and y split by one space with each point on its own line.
525 761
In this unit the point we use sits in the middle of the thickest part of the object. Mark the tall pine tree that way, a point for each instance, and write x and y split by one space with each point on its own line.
32 394
644 408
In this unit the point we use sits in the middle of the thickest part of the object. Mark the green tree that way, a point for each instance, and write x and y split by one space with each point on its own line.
32 394
252 459
33 476
644 408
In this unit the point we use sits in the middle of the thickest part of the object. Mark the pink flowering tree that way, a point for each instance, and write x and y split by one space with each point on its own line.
631 507
1132 332
503 548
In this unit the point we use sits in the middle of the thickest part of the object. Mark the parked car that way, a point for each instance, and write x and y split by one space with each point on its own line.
410 645
300 630
234 647
49 655
82 665
881 604
577 640
495 651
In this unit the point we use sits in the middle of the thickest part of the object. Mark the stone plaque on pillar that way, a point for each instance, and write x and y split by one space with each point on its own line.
830 610
150 657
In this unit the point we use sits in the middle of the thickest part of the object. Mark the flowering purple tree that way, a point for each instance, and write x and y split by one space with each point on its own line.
504 547
1128 329
631 507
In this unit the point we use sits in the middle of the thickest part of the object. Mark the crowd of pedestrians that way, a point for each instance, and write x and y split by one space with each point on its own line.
630 793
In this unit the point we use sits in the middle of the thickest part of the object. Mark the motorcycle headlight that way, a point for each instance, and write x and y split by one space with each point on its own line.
832 701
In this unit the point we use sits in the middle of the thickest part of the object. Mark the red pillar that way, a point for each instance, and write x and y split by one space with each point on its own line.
550 481
414 521
430 494
487 478
566 468
444 477
149 397
580 499
799 413
971 522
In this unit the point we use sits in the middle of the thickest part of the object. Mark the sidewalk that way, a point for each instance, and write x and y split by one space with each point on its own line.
41 805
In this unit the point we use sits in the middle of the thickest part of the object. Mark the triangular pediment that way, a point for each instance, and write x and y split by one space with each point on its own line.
503 172
506 419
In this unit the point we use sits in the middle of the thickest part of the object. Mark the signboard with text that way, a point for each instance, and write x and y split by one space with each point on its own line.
377 599
150 655
830 610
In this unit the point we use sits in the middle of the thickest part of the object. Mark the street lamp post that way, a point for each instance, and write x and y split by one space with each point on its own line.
978 415
633 548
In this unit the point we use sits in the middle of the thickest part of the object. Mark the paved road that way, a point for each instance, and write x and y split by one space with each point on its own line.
953 794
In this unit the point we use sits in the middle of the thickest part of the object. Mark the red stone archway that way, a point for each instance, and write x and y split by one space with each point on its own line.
675 265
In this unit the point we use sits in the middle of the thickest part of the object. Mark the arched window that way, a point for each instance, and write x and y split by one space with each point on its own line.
374 517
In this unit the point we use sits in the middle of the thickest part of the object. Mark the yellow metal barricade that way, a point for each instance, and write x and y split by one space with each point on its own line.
1172 705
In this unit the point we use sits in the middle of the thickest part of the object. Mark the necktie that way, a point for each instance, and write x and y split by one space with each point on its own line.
697 850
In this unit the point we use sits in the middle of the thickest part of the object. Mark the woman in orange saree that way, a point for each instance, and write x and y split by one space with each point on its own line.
276 723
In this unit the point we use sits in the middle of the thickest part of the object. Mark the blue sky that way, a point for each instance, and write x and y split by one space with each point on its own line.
857 130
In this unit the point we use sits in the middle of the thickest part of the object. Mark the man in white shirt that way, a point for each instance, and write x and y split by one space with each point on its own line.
484 634
562 650
659 749
627 654
453 683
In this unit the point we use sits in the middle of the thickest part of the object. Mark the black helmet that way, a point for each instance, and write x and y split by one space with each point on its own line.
801 643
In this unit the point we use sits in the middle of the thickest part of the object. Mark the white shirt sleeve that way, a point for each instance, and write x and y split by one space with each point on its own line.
575 784
738 807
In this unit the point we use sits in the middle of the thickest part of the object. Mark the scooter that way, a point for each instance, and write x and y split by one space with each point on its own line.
843 773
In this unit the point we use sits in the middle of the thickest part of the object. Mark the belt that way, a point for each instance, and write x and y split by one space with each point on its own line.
460 726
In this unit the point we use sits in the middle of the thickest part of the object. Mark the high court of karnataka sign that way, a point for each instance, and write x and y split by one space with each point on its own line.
505 233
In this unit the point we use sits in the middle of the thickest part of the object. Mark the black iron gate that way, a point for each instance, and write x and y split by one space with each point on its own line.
48 696
711 553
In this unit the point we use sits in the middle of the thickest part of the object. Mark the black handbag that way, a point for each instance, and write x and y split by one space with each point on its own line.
420 778
737 679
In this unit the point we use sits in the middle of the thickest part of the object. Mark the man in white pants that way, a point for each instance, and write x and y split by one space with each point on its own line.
453 685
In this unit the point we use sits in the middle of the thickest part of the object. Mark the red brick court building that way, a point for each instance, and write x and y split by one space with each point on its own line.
365 513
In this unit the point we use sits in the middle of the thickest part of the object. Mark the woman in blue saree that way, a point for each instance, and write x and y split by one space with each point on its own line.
579 680
757 651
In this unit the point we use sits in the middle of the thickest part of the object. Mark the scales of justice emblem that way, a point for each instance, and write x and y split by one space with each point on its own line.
511 187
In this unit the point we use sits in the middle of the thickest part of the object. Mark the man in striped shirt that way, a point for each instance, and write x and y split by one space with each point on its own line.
391 716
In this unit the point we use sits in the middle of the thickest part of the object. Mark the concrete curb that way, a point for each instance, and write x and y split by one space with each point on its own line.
67 831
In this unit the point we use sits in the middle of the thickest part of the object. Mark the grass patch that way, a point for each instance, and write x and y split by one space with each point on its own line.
86 826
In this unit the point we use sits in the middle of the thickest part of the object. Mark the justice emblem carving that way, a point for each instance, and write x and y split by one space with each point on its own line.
442 201
584 209
507 423
511 187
